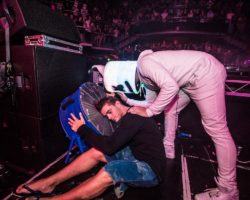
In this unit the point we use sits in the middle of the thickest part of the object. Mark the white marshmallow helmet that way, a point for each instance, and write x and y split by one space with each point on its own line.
121 76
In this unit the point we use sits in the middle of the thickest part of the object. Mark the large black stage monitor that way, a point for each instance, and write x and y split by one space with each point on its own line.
30 17
44 77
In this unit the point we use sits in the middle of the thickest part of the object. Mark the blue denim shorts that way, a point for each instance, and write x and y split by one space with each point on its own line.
124 168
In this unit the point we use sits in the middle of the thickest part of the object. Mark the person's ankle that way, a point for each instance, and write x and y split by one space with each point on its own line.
48 184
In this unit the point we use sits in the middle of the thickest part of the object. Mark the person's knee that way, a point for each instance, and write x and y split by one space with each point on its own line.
105 177
98 155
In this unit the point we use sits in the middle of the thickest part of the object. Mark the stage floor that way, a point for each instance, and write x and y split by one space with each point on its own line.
191 172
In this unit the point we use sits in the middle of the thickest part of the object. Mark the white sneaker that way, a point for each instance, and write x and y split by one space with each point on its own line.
120 190
216 194
170 151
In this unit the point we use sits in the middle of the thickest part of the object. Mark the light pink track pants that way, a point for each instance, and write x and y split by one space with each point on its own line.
208 94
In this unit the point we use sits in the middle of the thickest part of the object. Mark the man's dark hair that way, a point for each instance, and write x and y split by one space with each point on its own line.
106 100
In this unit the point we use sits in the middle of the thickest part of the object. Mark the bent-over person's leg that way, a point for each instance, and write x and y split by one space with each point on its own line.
171 114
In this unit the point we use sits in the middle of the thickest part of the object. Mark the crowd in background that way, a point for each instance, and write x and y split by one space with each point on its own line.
106 23
116 18
226 54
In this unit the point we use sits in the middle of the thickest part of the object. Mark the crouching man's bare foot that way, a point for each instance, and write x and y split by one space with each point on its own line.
42 188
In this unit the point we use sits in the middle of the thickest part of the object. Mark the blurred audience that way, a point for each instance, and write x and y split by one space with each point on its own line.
119 16
106 23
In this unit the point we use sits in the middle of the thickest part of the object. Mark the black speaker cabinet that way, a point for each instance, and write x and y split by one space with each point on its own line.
41 141
44 77
31 143
29 17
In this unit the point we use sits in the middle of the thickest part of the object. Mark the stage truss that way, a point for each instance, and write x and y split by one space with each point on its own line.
240 88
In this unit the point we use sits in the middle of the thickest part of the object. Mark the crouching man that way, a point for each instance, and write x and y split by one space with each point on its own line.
134 156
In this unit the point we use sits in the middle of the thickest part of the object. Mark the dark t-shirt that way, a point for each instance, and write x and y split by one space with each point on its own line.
139 133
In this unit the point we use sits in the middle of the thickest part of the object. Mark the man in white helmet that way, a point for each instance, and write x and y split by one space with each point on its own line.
121 77
183 75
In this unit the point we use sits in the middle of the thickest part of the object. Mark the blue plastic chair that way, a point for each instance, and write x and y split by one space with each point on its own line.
83 100
74 140
69 105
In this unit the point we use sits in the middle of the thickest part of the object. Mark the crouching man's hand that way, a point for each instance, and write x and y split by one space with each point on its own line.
74 122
